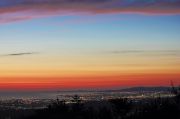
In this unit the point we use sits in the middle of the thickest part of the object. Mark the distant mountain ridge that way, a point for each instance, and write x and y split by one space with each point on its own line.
132 89
146 89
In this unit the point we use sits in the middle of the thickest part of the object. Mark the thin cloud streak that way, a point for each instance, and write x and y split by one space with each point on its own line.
19 54
160 52
18 10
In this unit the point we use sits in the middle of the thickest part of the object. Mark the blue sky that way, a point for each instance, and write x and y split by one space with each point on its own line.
103 32
120 41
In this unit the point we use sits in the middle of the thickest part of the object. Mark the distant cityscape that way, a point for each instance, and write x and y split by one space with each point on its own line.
41 100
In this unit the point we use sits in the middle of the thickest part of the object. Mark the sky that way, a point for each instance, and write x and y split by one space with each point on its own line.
89 44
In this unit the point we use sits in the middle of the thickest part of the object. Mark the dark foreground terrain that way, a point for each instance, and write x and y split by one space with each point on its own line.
149 108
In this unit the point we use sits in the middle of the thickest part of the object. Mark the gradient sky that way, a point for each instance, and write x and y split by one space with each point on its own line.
70 44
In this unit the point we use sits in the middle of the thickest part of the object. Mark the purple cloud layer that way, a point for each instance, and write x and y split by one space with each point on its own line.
18 10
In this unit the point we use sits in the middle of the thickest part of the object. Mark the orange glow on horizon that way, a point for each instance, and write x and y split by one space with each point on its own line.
111 81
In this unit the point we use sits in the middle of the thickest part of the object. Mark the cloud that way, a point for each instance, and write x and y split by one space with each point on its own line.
19 54
153 52
18 10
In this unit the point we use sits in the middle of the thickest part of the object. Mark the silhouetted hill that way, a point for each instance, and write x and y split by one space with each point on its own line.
132 89
146 89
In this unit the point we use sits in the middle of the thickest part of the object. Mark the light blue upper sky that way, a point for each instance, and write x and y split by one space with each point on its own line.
92 33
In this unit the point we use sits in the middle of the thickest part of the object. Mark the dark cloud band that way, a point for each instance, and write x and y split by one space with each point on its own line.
20 54
17 10
154 52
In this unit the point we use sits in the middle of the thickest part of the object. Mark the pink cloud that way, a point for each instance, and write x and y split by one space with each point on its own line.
19 10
